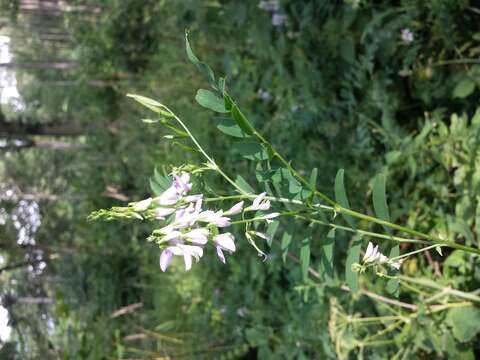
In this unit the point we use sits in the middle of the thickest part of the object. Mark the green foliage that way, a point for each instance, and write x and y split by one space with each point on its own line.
344 91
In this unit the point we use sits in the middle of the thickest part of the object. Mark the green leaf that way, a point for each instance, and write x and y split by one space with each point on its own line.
381 211
271 230
285 245
341 196
229 127
204 68
252 150
353 256
326 258
393 285
464 88
209 100
313 178
240 119
163 180
242 184
459 226
153 105
305 257
465 322
156 188
379 198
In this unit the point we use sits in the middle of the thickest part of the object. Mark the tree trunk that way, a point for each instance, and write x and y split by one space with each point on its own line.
20 129
61 65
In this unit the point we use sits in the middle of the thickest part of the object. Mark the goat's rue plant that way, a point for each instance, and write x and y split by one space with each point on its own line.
189 222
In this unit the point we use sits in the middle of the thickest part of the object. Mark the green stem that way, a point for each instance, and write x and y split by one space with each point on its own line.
339 209
362 232
202 151
415 252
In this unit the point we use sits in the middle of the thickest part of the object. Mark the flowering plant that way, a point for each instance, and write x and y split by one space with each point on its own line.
189 227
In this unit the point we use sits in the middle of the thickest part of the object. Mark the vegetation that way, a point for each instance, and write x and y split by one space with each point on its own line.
387 91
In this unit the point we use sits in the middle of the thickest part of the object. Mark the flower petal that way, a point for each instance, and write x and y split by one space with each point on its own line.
165 259
235 209
220 254
225 241
259 199
142 205
187 258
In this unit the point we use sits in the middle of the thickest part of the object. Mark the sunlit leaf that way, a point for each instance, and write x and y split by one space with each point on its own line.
353 257
326 257
464 88
271 230
209 100
242 184
305 257
203 67
252 150
285 245
229 127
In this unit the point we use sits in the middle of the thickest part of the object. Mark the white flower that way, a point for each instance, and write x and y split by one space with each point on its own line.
187 251
215 218
161 212
197 236
261 235
193 198
407 36
142 205
271 216
185 217
235 209
259 203
224 242
372 255
168 197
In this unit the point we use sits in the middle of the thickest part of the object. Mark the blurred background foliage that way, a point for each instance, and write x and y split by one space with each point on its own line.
368 86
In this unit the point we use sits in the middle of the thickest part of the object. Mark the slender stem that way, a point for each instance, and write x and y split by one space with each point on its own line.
362 232
202 151
335 207
414 252
434 285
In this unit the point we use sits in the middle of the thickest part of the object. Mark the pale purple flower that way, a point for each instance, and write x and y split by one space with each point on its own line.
172 235
181 183
168 197
224 242
165 259
407 36
259 203
187 251
161 212
279 19
215 218
185 217
235 209
198 206
197 236
220 254
193 198
142 205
